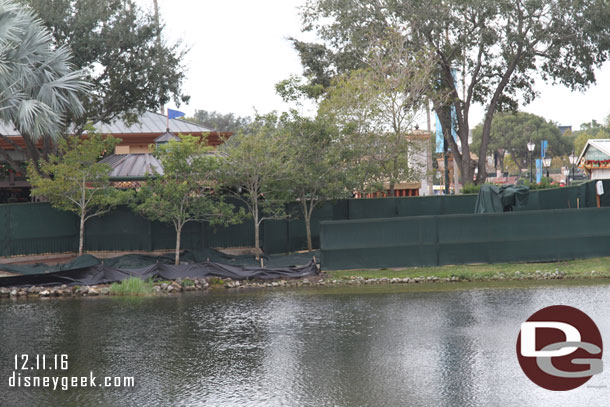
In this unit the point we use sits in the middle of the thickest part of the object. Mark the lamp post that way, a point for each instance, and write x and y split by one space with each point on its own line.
546 163
530 148
573 159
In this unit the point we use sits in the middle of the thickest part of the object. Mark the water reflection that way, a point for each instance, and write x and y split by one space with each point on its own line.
295 348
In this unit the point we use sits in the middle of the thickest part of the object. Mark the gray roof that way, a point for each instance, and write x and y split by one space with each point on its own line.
128 166
149 122
166 137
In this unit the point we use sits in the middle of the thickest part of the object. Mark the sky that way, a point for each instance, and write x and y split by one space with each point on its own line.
239 50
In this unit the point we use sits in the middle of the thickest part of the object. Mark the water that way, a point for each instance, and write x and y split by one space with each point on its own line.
327 347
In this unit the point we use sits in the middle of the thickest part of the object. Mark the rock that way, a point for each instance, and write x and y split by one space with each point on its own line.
22 293
157 288
13 293
92 291
45 293
104 291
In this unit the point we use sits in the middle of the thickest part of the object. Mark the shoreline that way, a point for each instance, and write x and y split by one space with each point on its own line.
354 283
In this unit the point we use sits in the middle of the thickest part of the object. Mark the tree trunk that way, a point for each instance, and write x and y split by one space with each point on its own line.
257 250
391 191
81 238
177 257
308 228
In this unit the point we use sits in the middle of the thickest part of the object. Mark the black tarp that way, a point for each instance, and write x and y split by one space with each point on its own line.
492 198
134 261
104 274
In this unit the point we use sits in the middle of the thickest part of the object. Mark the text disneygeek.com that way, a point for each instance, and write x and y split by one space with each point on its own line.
26 364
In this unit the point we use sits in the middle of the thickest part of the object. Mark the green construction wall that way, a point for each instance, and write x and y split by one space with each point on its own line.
545 235
38 228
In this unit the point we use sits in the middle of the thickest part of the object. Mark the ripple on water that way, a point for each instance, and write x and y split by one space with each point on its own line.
289 349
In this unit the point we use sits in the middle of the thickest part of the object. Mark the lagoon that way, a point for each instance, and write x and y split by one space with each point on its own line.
305 347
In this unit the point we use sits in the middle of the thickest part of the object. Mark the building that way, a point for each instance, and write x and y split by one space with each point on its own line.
595 158
131 159
421 158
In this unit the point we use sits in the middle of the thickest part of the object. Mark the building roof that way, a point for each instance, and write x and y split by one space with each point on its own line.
132 166
166 137
149 122
596 149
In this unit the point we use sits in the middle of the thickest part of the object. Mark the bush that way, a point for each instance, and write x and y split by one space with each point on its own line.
187 282
545 183
471 189
133 286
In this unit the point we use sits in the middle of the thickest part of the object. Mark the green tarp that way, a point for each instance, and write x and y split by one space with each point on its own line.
492 198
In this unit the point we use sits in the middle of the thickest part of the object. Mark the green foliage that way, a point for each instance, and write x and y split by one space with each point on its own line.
38 85
294 90
471 189
215 281
254 170
187 282
317 166
486 51
510 133
133 286
588 131
73 179
221 122
132 68
376 109
187 190
545 183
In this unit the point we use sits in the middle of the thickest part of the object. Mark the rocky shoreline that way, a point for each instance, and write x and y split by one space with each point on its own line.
214 283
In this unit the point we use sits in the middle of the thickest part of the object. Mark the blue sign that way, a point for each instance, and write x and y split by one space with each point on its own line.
538 170
439 130
543 146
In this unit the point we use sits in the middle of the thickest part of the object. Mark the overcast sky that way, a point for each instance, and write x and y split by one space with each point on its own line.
239 50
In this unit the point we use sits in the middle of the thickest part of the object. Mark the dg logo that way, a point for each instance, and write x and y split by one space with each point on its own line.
560 348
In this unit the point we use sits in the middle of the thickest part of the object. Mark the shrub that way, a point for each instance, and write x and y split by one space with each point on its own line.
133 286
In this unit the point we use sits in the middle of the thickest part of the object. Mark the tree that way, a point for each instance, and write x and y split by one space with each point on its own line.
38 85
510 133
121 50
486 51
187 190
316 164
254 169
591 130
73 179
221 122
377 107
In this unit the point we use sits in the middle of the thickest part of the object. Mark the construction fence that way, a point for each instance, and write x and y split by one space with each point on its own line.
38 228
544 235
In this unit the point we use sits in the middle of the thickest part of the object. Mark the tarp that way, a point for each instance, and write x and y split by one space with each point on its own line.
134 261
103 274
501 199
